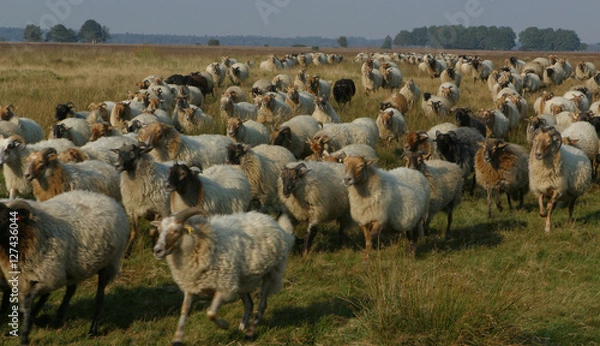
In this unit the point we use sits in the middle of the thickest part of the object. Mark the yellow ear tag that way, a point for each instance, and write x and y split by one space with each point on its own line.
189 229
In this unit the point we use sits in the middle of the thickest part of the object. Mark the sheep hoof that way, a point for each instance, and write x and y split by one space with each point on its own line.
250 334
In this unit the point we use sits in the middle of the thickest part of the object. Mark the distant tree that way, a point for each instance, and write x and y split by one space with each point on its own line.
403 38
60 33
342 41
214 42
548 39
33 33
387 42
90 31
105 33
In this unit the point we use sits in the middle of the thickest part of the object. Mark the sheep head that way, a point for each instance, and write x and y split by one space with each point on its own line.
386 118
546 142
180 177
72 155
233 127
357 170
282 136
63 110
414 139
122 111
492 149
38 162
173 227
317 144
155 133
290 176
61 131
235 152
128 156
6 113
8 146
98 130
415 159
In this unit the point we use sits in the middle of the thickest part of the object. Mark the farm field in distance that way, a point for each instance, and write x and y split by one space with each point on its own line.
498 281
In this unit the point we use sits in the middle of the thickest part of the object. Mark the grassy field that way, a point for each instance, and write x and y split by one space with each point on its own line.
499 281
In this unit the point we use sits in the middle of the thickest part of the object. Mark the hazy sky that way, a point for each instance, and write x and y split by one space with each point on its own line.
289 18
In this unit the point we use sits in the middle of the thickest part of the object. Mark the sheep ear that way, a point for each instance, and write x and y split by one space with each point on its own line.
155 224
196 170
371 162
501 145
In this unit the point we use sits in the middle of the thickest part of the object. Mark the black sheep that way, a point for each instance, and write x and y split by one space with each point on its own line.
343 91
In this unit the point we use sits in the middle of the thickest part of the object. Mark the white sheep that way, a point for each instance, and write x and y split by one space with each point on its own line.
531 82
13 157
451 75
142 183
217 71
168 145
335 136
371 80
262 165
101 150
221 189
193 121
582 135
248 132
537 122
581 101
121 113
71 238
445 182
324 112
282 81
553 75
317 86
314 192
272 111
496 122
585 70
74 129
391 125
435 107
51 177
242 110
411 92
238 73
560 172
236 93
450 92
301 102
502 167
350 150
271 64
391 77
396 199
295 133
204 256
30 130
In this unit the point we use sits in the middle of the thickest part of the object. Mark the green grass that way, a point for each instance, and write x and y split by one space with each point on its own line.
499 281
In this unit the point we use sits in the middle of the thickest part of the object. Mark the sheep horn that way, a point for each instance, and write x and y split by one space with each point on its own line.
20 205
19 139
185 214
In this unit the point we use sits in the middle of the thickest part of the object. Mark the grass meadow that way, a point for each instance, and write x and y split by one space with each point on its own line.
499 281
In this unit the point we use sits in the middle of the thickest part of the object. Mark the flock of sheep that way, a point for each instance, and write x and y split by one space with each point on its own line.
285 151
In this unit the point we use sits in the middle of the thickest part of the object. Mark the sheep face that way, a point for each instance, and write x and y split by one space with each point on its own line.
63 110
322 103
38 162
8 147
174 227
446 143
179 177
386 119
290 176
72 155
61 131
6 113
282 137
153 134
122 110
414 140
235 152
546 143
98 130
414 160
128 156
317 145
356 170
492 149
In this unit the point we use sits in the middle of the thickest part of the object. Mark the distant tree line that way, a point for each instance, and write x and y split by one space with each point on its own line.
458 37
489 38
90 32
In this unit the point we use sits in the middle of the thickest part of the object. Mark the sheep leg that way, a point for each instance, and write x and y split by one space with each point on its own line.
217 301
541 205
311 232
370 230
248 308
135 224
65 303
550 207
103 278
13 193
510 207
35 291
571 207
489 201
38 305
185 309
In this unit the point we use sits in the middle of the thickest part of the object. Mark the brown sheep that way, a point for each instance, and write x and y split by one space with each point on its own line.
502 167
395 100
